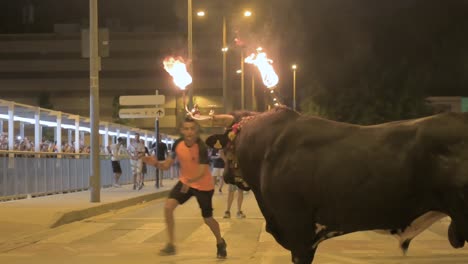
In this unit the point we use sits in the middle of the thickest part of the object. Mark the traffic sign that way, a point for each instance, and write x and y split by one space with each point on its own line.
141 112
142 100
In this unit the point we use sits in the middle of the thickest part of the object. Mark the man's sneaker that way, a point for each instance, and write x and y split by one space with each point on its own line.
227 214
240 214
134 186
168 250
221 250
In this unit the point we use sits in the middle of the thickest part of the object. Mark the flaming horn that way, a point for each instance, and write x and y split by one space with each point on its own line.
178 70
264 65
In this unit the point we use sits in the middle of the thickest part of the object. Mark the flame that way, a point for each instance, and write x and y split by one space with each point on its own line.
178 70
264 65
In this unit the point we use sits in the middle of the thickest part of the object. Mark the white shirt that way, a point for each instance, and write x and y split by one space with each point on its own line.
116 152
136 149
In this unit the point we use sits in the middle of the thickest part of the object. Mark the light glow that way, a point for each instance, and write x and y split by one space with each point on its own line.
264 65
178 70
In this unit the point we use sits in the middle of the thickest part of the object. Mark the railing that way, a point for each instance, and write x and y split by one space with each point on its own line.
31 174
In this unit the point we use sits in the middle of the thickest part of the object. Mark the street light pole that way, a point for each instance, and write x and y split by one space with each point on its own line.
190 48
294 67
226 108
94 101
254 99
242 80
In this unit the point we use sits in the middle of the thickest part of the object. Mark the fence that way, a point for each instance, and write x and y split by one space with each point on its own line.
31 174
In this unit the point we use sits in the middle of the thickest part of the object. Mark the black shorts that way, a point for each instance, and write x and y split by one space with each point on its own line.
116 166
203 198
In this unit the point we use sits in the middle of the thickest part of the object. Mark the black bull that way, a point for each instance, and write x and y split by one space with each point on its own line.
315 179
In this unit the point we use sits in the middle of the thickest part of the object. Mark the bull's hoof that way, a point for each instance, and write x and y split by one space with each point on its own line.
455 239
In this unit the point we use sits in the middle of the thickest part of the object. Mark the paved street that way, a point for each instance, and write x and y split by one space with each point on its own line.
134 235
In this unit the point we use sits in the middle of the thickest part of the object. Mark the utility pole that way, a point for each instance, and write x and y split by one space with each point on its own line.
94 62
190 50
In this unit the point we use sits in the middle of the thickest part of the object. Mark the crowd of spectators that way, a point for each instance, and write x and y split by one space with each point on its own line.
24 144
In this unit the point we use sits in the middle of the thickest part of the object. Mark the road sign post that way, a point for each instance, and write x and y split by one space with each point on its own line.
155 111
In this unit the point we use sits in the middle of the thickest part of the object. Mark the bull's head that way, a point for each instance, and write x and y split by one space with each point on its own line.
232 171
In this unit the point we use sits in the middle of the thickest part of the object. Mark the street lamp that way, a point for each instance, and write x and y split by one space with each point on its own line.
294 68
95 180
190 47
224 50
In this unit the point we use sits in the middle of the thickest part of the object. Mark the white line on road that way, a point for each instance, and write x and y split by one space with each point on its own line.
80 232
141 234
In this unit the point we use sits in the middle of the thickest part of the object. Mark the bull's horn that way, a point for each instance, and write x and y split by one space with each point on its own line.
223 120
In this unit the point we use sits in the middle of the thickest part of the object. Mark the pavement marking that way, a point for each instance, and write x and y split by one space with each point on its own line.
344 259
204 234
80 232
19 255
141 234
265 236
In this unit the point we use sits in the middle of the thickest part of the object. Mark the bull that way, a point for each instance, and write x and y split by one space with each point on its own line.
315 179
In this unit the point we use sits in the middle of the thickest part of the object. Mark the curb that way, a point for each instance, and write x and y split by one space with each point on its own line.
82 214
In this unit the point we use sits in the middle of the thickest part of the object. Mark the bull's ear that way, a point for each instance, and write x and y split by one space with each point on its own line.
217 141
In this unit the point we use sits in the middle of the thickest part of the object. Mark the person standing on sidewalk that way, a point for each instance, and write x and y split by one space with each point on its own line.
240 199
217 156
136 151
116 156
161 149
194 180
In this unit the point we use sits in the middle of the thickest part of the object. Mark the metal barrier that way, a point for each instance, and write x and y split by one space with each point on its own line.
30 174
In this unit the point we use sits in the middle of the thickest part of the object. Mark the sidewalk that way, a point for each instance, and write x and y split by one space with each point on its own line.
26 217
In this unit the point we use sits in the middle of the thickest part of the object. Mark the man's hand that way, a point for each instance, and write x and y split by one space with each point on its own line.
151 160
184 188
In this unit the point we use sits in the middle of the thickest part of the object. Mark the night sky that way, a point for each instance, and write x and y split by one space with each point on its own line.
339 45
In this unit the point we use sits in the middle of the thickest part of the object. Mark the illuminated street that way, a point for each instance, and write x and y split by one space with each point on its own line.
136 233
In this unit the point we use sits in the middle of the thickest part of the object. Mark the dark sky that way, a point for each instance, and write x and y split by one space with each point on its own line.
333 41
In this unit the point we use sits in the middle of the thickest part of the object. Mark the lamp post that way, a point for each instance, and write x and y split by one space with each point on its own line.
294 68
190 48
95 180
224 49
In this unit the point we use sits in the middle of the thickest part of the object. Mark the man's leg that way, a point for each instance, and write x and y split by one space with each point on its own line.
230 199
169 207
204 199
161 176
240 199
214 227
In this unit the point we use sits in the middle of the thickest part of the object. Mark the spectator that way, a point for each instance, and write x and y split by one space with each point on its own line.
136 151
115 152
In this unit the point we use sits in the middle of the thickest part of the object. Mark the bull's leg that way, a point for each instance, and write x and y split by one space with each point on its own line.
458 211
455 238
303 256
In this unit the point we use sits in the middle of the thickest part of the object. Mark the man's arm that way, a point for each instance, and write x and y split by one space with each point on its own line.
166 164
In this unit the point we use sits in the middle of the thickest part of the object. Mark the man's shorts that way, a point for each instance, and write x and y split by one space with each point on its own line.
217 172
116 166
137 166
203 198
